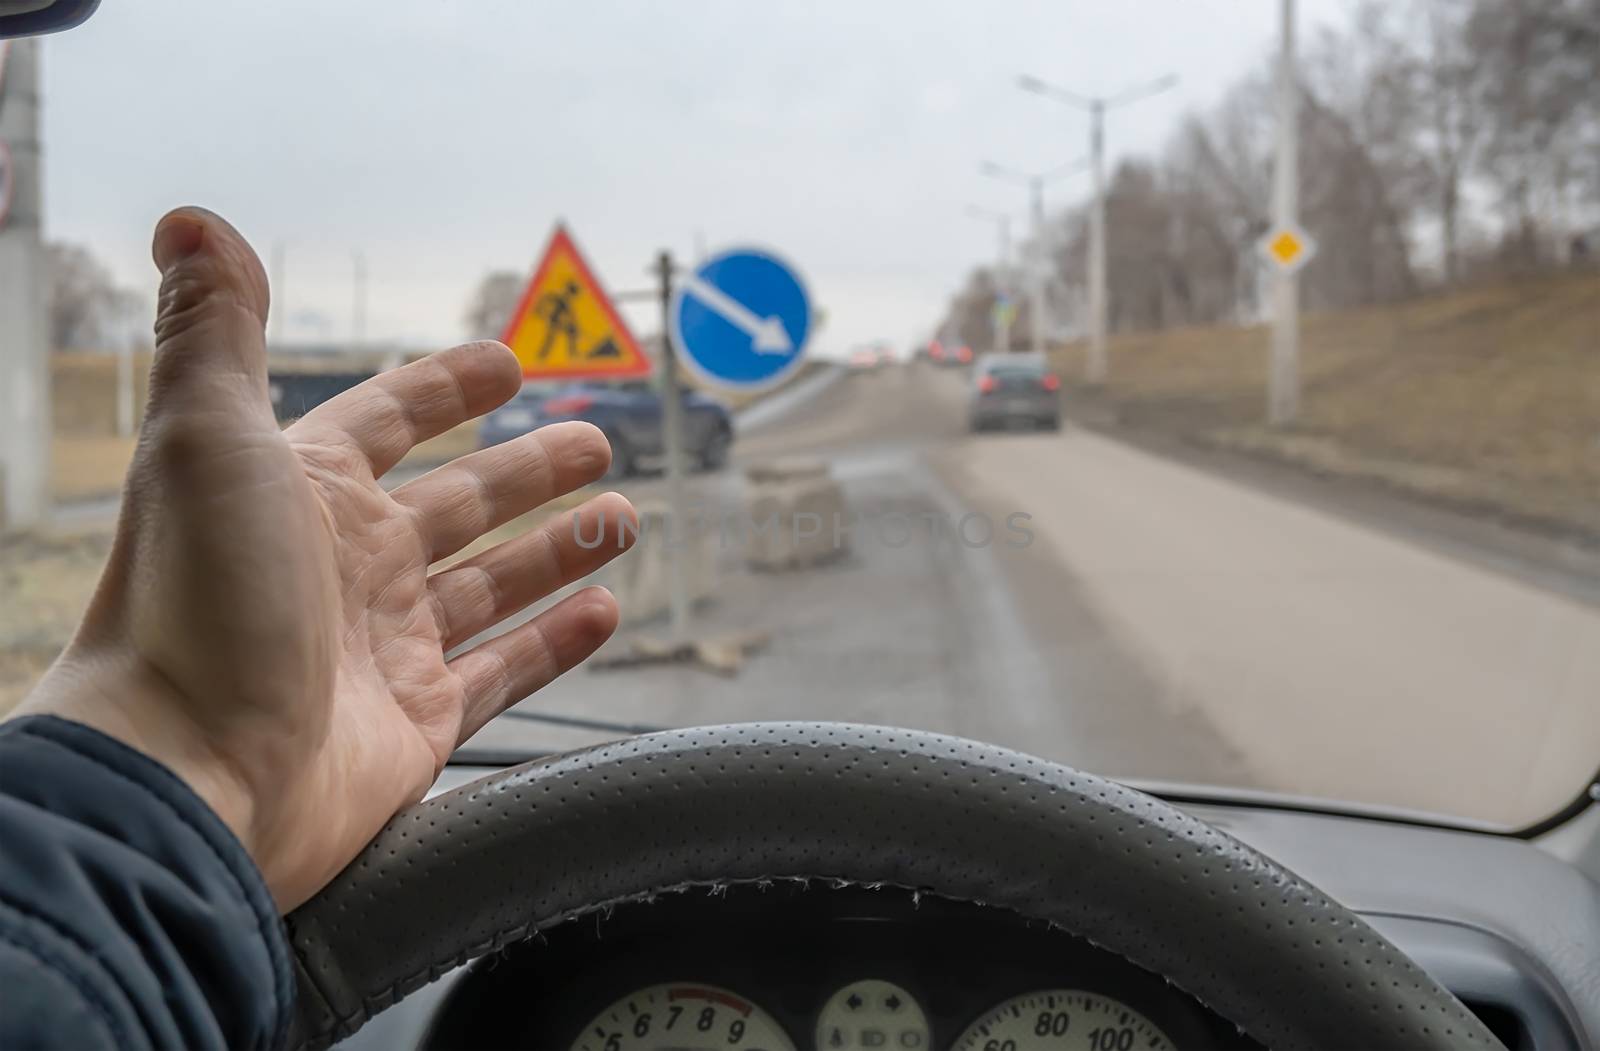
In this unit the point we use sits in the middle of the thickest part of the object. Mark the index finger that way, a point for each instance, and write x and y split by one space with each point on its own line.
384 417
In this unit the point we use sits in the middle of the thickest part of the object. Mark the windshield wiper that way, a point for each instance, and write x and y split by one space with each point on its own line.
472 755
580 723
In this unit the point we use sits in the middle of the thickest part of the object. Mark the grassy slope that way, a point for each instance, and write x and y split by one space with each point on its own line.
1487 399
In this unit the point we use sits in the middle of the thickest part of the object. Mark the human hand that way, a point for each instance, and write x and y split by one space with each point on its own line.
266 624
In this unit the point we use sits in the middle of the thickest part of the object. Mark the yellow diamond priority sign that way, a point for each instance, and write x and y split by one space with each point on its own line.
566 326
1288 248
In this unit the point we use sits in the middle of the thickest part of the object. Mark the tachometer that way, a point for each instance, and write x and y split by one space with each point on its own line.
684 1015
1063 1020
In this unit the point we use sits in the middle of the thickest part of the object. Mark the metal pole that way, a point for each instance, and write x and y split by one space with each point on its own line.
1040 258
358 305
672 424
24 336
1283 394
1097 245
1002 282
125 384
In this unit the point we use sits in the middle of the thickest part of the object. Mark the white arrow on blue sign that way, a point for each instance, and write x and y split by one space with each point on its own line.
741 319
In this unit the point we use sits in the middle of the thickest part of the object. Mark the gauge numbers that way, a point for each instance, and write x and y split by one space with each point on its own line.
1063 1020
682 1015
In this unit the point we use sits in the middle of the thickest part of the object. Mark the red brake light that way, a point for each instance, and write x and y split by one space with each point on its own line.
988 384
1050 381
964 354
935 349
568 405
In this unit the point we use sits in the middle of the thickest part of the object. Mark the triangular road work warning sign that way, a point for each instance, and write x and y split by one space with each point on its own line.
566 327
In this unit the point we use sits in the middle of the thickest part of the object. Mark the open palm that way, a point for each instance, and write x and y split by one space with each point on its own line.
268 624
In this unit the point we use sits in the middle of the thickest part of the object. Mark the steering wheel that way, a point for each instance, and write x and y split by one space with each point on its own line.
498 860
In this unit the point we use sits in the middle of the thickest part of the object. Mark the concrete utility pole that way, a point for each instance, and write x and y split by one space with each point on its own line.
1002 281
1035 182
1097 107
24 337
1283 392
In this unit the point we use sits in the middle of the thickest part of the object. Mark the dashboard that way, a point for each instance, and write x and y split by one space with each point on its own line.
787 966
1508 926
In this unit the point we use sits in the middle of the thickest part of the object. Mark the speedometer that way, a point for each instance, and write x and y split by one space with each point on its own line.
682 1015
1063 1020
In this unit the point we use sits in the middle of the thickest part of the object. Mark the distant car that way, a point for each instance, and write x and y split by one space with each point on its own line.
630 415
516 417
956 354
866 359
1008 388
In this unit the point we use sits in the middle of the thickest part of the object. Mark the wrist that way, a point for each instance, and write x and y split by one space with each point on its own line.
121 696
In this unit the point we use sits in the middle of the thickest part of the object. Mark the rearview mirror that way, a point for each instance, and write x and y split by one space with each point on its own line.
31 17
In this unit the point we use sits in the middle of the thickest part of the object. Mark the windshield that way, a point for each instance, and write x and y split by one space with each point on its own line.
1302 494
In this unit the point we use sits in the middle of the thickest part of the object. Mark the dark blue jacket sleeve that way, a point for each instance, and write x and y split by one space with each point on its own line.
130 917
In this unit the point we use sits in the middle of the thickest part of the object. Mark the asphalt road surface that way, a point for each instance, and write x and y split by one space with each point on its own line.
1165 623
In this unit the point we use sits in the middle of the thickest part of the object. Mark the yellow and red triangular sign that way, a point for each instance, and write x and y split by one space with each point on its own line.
566 327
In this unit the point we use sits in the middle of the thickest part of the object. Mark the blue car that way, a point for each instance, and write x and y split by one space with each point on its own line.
630 415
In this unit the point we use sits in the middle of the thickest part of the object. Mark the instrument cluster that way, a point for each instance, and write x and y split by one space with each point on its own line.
785 968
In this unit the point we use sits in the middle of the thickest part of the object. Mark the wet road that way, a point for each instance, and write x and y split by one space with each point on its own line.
982 640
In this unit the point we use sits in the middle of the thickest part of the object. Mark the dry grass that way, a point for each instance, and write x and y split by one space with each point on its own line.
1487 398
47 581
87 466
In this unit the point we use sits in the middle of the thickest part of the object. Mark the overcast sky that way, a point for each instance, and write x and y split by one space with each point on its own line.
443 138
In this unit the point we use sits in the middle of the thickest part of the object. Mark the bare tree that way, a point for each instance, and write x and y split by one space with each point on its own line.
1537 63
85 304
1452 133
492 304
970 319
1412 119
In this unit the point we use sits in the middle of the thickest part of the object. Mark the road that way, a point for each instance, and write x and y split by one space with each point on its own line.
1167 623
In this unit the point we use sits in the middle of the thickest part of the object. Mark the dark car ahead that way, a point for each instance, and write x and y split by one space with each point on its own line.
630 415
1009 388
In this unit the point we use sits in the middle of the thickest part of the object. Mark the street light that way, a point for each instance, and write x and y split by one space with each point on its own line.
1097 107
1035 182
1002 324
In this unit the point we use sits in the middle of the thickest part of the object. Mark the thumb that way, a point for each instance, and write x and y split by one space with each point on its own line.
211 351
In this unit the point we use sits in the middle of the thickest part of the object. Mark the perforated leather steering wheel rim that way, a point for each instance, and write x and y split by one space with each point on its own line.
502 858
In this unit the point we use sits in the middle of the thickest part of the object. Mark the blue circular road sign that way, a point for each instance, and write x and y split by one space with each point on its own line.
741 318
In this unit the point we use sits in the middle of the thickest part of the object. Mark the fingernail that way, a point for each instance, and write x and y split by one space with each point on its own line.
177 238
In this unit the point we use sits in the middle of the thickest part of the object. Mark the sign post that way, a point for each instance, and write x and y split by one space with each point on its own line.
739 320
672 424
1286 246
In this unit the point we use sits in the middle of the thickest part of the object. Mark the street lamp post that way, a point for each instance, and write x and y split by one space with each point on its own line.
1097 107
1035 182
1283 396
1002 221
